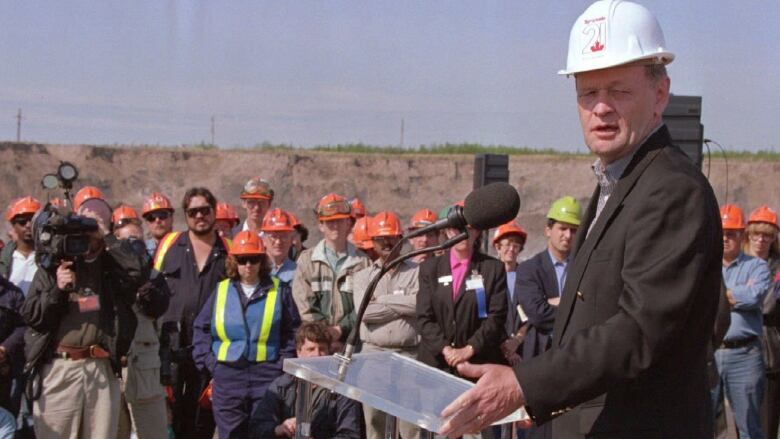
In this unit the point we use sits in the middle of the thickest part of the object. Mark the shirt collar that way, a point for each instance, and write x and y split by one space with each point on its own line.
741 257
612 172
556 261
455 261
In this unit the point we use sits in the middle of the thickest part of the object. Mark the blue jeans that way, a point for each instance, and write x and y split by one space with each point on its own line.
741 372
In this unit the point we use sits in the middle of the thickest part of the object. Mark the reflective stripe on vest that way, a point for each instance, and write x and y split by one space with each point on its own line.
163 248
167 242
253 334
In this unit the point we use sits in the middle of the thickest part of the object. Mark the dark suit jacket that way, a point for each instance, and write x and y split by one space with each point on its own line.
513 319
636 319
444 323
536 282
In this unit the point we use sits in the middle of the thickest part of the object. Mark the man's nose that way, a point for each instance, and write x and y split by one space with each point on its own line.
603 105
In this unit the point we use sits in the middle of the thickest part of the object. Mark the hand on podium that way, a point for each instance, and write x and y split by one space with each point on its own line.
496 395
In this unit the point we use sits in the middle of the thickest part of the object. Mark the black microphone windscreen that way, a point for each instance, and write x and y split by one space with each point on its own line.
491 206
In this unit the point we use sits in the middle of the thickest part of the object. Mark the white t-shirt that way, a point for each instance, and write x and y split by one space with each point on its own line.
23 270
249 289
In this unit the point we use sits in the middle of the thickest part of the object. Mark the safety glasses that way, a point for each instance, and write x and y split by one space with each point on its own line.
21 220
125 221
341 207
161 215
193 212
257 188
251 260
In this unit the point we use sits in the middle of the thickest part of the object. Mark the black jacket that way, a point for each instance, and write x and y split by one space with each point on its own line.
123 274
7 259
536 283
444 323
333 416
11 338
636 318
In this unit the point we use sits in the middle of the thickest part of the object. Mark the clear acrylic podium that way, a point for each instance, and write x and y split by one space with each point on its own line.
399 386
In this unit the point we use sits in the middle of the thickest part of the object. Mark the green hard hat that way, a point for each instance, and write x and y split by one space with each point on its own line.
444 211
565 210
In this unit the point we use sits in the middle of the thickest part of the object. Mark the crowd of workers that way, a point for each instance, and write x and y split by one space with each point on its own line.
161 333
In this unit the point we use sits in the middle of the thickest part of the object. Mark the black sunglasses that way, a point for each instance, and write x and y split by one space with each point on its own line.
193 212
21 220
252 260
161 215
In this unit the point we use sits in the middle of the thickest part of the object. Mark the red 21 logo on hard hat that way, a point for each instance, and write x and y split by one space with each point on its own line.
593 35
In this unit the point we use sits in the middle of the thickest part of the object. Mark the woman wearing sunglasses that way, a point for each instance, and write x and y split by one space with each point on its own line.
242 334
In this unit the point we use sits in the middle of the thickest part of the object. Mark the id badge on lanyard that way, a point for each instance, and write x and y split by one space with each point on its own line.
476 283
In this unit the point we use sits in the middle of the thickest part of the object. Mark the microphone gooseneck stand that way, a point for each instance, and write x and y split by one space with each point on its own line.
346 357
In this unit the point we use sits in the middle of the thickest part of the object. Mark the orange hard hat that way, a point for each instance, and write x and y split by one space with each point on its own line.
358 209
385 224
247 242
333 207
206 396
293 219
277 220
257 188
510 228
422 218
123 214
156 201
360 237
732 217
226 211
763 214
86 193
22 206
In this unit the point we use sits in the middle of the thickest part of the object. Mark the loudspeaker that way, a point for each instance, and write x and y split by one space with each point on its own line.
490 168
683 118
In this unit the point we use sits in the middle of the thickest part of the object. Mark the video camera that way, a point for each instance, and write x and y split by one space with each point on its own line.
59 233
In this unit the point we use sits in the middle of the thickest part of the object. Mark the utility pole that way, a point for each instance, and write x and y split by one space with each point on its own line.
19 126
212 130
402 132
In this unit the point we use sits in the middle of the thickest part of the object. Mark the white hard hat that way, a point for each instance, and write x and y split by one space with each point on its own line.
614 32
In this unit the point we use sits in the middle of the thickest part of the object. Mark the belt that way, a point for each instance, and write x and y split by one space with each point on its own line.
79 353
740 343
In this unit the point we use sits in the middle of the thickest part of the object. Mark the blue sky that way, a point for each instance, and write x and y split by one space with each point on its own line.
313 72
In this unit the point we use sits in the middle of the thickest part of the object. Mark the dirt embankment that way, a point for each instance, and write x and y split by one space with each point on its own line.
401 183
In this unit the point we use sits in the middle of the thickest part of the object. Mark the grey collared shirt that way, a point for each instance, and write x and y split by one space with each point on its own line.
608 176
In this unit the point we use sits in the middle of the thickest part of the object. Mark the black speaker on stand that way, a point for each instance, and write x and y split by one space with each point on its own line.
490 168
683 118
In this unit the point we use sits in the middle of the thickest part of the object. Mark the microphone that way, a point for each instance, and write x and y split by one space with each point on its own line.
485 208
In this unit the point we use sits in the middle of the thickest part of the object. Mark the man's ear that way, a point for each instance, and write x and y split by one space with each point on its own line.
662 88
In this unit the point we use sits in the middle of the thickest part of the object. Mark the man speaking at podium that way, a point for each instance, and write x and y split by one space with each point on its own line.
637 310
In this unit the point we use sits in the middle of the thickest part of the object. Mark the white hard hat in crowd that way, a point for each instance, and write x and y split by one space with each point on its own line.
614 32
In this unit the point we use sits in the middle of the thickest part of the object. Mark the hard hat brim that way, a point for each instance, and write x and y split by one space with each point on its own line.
254 197
338 216
665 57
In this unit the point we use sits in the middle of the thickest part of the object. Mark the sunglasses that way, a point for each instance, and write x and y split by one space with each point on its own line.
21 220
251 260
334 208
161 215
193 212
126 221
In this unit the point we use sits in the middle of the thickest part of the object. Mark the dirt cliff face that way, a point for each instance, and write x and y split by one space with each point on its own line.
400 183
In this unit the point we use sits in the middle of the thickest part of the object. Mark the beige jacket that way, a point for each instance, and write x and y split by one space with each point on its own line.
323 295
142 374
390 319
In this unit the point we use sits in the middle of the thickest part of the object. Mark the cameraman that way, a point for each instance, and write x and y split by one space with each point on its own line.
80 324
